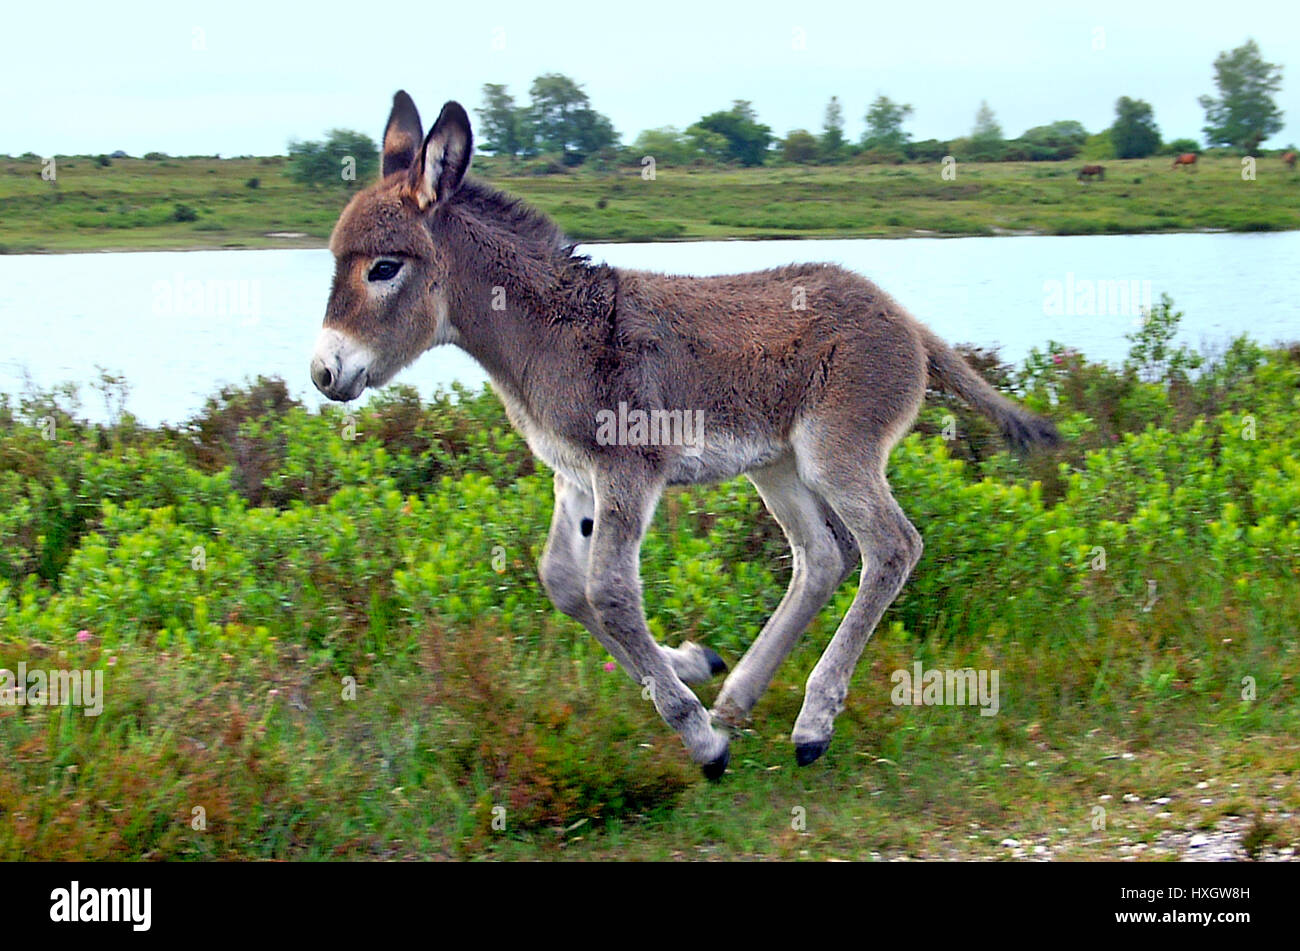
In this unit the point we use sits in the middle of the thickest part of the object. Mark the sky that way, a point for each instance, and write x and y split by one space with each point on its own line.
242 78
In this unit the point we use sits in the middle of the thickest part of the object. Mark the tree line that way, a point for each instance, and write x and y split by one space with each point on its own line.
558 127
560 121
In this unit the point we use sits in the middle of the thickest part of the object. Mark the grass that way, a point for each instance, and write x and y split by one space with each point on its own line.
133 203
318 647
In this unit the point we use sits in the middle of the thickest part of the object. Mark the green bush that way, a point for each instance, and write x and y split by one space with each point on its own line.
342 159
231 573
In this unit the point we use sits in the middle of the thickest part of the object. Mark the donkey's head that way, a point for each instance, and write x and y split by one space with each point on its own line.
392 263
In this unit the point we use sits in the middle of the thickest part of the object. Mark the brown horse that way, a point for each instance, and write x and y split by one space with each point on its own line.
1289 159
1089 172
1187 158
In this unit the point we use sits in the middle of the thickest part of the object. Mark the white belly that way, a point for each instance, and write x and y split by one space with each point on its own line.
723 457
720 456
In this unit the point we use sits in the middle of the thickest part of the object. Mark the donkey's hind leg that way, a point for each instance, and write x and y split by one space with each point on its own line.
891 547
564 568
824 552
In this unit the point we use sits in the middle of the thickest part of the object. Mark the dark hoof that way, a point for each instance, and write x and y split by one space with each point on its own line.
713 771
807 753
716 664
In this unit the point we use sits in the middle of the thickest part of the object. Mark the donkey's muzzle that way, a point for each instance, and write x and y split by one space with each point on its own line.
330 381
339 367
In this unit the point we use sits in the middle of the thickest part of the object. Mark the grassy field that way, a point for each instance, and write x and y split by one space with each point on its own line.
132 204
324 637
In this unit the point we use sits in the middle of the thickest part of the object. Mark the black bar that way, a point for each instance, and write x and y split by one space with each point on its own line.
341 900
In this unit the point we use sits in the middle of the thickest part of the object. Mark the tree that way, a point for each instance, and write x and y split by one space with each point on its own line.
1134 133
707 143
885 124
1099 147
561 119
745 109
1059 140
986 128
502 126
592 132
666 146
1063 132
344 158
555 100
799 146
1244 113
747 138
832 140
985 143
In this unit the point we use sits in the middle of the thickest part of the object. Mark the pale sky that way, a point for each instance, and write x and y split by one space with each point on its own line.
243 78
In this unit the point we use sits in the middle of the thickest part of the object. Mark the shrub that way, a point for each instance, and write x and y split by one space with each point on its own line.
544 165
234 570
880 157
927 150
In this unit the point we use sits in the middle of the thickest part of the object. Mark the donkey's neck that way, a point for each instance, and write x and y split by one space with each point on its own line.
531 340
529 309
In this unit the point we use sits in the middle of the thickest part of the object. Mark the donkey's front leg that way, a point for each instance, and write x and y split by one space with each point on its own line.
563 568
623 509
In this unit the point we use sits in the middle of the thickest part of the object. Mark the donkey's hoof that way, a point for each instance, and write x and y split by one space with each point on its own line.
806 754
695 663
713 770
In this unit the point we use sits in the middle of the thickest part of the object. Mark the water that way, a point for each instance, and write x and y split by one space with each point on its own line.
177 325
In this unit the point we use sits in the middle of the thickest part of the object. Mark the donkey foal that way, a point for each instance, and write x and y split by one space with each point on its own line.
802 378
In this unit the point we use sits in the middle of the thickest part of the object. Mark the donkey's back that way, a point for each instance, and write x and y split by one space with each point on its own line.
763 352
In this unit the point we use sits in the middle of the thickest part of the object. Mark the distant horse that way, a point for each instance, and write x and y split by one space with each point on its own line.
1187 158
1289 158
1089 172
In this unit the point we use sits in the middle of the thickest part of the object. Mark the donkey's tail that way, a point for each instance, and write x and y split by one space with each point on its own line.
949 372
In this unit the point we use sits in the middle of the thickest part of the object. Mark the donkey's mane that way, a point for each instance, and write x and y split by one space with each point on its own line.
521 219
561 284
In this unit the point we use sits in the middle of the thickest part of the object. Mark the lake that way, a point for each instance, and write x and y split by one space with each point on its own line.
179 324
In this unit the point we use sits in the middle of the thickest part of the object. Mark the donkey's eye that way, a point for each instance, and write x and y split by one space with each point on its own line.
384 271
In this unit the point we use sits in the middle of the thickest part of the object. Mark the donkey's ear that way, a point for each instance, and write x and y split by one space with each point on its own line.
445 157
402 136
